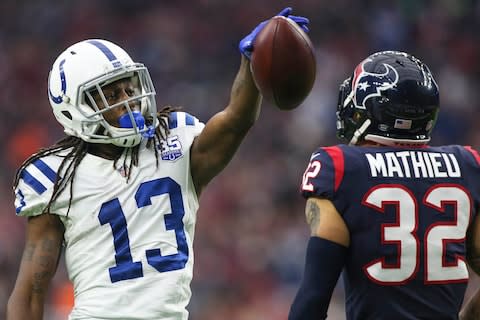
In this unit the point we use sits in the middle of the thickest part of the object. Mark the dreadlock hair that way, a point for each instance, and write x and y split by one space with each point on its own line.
78 151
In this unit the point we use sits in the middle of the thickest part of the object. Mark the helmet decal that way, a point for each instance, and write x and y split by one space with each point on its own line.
366 85
108 53
59 99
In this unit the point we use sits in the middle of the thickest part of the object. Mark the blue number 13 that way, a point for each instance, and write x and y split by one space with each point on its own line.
111 212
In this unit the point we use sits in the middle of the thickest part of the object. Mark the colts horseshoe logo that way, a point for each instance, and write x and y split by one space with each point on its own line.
59 99
102 47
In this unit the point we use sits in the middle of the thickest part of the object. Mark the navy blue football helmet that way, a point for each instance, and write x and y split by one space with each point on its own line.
391 98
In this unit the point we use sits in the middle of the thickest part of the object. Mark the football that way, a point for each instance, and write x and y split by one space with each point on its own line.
283 63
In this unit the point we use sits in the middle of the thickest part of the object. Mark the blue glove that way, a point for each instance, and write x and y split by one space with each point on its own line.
246 44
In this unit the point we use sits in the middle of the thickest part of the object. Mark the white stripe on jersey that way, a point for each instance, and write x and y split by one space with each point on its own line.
40 176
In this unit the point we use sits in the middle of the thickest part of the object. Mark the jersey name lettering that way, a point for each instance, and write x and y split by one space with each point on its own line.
413 164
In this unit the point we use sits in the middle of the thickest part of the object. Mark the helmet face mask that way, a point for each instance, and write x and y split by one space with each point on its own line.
81 72
390 99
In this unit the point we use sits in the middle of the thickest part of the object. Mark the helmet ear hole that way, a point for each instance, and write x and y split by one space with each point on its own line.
67 115
357 116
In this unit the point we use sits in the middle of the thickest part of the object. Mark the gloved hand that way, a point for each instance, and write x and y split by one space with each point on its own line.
246 44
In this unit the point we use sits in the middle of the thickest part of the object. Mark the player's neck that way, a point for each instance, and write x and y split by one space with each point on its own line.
106 151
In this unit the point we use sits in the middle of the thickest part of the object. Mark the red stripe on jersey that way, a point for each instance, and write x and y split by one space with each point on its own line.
474 152
338 163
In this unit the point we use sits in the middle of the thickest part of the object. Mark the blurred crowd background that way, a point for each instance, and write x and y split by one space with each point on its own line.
251 233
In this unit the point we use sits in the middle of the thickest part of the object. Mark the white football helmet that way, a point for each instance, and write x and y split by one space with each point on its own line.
82 70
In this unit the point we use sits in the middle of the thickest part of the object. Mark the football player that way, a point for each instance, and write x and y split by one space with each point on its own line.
394 213
120 191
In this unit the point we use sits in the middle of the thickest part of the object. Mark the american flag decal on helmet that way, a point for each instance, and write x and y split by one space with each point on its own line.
403 124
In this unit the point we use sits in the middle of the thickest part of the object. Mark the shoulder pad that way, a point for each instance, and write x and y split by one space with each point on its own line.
324 173
35 186
178 119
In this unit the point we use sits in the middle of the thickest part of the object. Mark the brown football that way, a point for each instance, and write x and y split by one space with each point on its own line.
283 63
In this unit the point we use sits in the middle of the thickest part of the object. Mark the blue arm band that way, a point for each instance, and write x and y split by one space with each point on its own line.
323 264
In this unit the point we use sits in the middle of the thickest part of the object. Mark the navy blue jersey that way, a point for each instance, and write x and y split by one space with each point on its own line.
407 211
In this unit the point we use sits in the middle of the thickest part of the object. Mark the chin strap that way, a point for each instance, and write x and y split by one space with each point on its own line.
149 133
132 128
359 132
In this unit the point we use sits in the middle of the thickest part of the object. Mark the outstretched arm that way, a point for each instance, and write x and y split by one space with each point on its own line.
38 266
471 309
223 133
215 146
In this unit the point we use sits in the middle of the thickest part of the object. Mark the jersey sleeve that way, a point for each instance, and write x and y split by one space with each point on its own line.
475 155
182 120
323 174
473 159
35 187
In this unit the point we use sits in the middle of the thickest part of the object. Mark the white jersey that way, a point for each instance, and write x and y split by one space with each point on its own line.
128 245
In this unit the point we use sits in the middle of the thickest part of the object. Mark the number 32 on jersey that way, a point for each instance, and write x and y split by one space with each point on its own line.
403 232
435 239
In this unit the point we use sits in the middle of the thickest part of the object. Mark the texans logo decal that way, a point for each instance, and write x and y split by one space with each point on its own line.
366 85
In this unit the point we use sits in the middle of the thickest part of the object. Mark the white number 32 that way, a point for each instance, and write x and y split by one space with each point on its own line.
436 237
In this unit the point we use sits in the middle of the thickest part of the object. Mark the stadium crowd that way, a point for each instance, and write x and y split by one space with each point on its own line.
251 231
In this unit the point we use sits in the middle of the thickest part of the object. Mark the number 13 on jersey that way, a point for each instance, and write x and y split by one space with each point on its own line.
111 212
